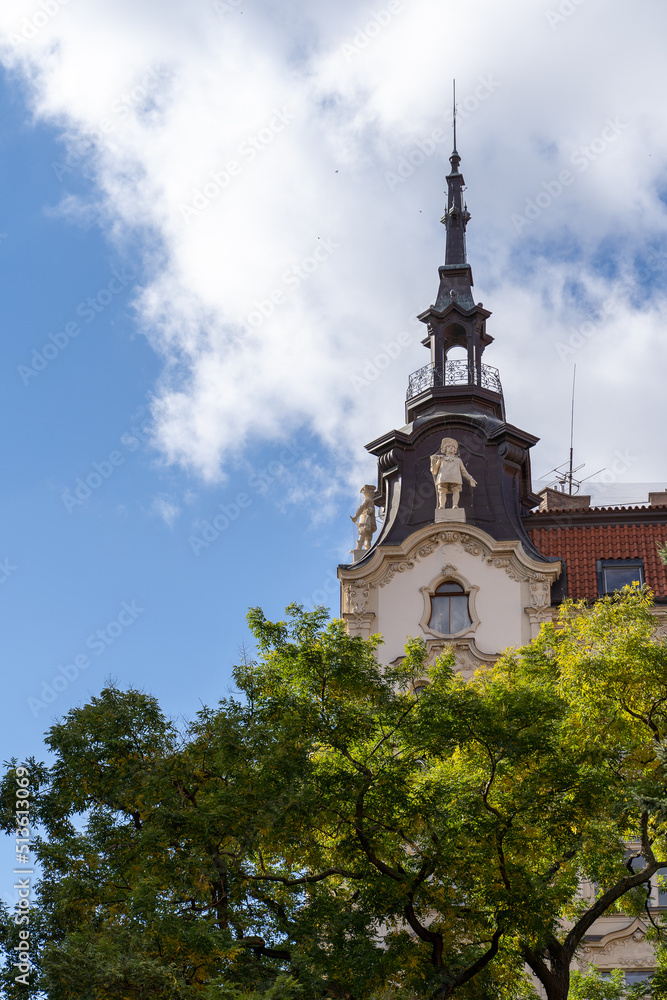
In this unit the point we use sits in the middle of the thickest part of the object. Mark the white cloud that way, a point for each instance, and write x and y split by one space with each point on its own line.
303 113
165 507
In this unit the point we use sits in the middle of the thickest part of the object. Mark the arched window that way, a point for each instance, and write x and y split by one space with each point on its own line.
457 353
450 612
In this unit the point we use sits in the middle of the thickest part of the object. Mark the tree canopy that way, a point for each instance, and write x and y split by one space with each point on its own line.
329 832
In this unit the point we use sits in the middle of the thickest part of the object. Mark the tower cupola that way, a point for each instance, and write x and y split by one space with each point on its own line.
455 321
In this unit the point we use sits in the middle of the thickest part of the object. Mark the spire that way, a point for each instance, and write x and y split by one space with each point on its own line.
456 215
455 320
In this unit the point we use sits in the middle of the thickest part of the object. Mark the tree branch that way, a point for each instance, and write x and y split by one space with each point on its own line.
573 939
484 959
258 945
397 874
285 880
432 937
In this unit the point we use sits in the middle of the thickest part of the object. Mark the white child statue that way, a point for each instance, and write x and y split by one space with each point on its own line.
365 518
447 470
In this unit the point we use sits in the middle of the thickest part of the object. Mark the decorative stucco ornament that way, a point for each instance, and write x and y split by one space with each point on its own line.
448 473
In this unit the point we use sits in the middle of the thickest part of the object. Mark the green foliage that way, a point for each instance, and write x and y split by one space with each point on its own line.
591 986
285 987
326 833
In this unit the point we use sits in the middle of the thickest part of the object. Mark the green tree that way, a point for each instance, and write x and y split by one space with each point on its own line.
328 833
591 986
607 666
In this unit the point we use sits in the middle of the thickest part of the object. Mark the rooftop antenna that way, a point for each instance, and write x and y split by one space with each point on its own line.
566 479
563 479
454 111
571 470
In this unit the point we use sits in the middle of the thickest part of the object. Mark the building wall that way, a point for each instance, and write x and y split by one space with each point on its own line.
389 592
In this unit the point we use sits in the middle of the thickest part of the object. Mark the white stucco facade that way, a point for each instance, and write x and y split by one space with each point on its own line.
509 593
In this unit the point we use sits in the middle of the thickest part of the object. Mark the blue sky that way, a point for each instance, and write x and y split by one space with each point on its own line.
70 568
218 225
77 554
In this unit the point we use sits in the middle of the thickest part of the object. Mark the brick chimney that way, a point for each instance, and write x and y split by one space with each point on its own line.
555 500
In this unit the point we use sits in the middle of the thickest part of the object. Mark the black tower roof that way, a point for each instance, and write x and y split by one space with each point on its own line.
460 399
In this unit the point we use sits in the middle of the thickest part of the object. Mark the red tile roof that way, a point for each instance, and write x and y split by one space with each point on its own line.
579 546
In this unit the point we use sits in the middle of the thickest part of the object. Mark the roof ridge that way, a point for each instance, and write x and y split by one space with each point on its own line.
579 510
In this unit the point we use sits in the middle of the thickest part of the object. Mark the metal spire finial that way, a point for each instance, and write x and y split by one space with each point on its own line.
454 111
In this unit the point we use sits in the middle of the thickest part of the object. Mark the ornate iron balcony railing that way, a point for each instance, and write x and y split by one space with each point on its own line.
453 373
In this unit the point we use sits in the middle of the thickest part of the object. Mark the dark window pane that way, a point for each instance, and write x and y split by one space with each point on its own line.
459 616
616 577
637 977
450 588
440 614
